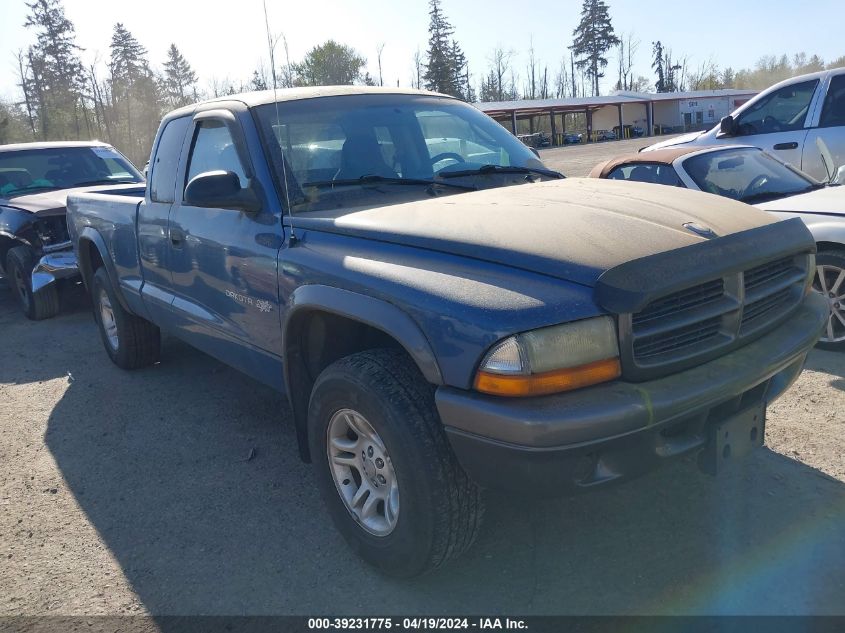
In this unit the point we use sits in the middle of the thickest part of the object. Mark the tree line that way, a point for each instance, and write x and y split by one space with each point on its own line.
122 98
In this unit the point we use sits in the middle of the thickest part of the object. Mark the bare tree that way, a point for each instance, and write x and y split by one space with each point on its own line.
23 75
416 78
379 50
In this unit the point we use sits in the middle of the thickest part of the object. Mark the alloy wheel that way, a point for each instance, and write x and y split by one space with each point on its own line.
363 472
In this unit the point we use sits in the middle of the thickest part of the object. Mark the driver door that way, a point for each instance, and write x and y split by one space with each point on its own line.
223 261
776 123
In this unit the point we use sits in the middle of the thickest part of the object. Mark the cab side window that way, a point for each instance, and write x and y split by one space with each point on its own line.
214 149
163 176
782 111
833 112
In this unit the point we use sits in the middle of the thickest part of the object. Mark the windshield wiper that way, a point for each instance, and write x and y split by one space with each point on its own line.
30 189
105 181
501 169
387 180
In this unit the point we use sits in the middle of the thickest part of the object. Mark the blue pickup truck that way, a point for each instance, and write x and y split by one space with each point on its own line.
444 312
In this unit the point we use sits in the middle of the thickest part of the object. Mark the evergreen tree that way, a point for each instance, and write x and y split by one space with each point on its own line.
594 36
257 82
657 65
136 105
55 76
440 69
179 79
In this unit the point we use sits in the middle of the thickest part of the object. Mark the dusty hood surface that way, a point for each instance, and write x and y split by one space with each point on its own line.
572 229
830 201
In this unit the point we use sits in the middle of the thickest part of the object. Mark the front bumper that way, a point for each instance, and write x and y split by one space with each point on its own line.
583 439
58 263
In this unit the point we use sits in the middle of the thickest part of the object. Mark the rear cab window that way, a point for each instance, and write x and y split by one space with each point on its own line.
163 176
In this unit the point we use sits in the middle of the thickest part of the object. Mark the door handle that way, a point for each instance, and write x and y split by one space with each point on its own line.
792 145
177 237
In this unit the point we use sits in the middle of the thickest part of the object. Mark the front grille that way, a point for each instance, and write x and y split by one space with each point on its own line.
701 320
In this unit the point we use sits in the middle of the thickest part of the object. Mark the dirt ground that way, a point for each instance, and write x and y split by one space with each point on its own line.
134 493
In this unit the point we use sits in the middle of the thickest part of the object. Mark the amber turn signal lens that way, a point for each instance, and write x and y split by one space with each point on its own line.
550 381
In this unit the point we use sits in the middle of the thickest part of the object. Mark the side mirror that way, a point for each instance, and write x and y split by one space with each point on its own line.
220 190
840 176
728 126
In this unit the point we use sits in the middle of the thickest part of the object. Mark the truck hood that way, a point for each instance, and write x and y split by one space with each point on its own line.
829 201
573 229
672 142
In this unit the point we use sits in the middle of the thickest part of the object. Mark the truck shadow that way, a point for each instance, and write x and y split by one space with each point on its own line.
190 475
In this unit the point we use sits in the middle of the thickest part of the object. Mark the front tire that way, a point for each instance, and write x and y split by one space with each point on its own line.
830 283
384 465
36 306
130 341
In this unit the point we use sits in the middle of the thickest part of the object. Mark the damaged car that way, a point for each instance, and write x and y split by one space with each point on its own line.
35 180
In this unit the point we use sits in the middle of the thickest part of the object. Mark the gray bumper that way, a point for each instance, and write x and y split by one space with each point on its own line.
542 440
59 263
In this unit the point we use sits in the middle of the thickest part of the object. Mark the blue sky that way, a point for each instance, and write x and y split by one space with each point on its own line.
230 43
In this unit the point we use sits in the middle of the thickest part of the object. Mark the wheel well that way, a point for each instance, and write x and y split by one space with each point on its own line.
314 339
830 246
89 261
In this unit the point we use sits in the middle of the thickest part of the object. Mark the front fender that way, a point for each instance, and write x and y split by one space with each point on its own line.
827 228
88 237
371 311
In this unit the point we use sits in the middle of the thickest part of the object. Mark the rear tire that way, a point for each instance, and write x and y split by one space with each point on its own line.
43 305
831 264
130 341
437 511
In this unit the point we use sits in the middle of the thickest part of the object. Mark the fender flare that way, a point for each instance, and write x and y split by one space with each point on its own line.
92 236
365 309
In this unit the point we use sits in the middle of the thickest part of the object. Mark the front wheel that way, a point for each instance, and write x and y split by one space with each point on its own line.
384 465
36 306
830 283
130 341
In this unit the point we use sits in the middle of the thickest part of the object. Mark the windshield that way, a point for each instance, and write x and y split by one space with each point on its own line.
747 174
30 170
354 150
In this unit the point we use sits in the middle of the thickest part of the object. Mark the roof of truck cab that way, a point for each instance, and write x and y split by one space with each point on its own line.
14 147
263 97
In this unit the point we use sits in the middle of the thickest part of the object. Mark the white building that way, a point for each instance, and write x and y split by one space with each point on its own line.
621 112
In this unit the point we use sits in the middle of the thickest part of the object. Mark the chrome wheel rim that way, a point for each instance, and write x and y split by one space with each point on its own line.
830 283
107 320
363 472
20 285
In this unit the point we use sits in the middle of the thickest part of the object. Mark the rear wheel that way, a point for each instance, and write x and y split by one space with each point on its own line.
36 306
384 465
130 341
830 283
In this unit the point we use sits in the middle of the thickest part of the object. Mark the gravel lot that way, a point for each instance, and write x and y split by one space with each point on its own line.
133 493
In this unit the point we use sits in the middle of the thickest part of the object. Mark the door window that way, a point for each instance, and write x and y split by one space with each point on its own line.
833 112
782 111
214 149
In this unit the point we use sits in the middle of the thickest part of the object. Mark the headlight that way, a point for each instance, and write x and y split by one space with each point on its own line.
552 359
